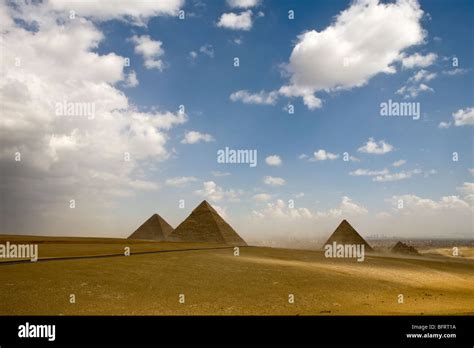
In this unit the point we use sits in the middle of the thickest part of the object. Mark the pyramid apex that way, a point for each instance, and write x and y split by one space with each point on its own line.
204 204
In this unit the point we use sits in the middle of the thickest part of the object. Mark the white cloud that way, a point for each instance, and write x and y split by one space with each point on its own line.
151 50
233 21
396 176
208 50
347 208
467 190
303 156
412 91
135 11
422 75
376 148
262 97
281 211
455 72
118 139
211 191
273 160
444 125
273 181
416 205
464 117
243 3
262 197
194 137
399 163
322 155
193 55
366 172
369 35
180 181
131 80
418 60
471 170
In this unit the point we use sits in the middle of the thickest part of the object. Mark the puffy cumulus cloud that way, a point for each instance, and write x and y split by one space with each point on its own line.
78 135
131 79
262 197
418 60
208 50
194 137
137 12
422 75
273 181
243 3
375 148
412 91
467 190
399 163
211 191
323 155
413 216
262 97
387 177
366 172
415 84
180 181
233 21
281 210
151 50
364 40
413 204
464 117
273 160
444 125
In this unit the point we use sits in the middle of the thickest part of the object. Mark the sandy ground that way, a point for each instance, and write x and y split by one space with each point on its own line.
215 282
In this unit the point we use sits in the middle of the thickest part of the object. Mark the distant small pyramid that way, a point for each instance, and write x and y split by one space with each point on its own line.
402 248
155 228
205 225
346 234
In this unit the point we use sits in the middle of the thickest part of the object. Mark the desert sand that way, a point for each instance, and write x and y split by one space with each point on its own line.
215 282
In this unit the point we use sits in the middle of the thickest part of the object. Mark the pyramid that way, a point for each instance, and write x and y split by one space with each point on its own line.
205 225
402 248
346 234
155 228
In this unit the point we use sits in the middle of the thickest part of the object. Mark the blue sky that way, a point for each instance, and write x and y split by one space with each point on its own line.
424 40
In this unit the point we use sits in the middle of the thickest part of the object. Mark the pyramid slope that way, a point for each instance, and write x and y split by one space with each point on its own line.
402 248
346 234
205 225
155 228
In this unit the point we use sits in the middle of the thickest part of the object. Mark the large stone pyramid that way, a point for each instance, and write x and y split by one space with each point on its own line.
346 234
205 225
155 228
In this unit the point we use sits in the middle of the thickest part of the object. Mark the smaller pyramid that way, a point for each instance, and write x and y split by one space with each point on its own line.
402 248
346 234
155 228
205 225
